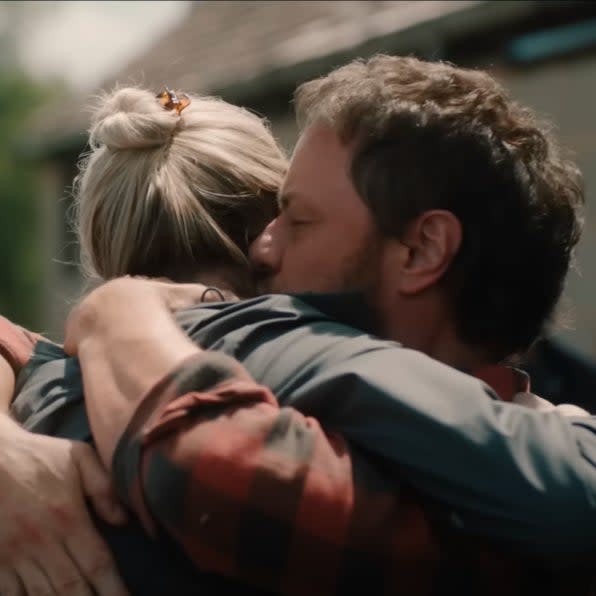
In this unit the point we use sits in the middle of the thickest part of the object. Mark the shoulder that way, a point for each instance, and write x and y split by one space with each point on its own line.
278 312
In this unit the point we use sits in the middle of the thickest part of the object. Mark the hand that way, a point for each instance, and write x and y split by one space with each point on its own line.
48 543
126 340
179 296
127 298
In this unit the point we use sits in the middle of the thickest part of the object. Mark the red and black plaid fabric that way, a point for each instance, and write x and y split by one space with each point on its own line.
264 494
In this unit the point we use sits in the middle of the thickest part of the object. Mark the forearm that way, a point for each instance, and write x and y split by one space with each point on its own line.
126 339
119 365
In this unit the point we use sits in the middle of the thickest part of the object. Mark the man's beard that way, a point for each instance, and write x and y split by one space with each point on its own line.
356 273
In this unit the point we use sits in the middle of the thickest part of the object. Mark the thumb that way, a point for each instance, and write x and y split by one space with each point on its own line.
97 485
181 296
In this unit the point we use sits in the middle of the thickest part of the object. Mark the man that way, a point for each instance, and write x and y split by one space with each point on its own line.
408 270
425 187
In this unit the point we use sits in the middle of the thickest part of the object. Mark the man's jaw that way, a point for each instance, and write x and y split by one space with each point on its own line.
264 285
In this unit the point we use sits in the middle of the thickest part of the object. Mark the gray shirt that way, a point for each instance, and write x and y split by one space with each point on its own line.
499 470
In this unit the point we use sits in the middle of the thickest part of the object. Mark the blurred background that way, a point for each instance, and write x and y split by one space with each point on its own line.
55 55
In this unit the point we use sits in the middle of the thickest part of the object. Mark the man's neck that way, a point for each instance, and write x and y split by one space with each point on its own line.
453 352
431 329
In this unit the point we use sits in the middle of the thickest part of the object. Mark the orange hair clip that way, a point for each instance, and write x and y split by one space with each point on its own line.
170 101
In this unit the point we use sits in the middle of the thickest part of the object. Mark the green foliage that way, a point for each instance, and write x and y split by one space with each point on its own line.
20 226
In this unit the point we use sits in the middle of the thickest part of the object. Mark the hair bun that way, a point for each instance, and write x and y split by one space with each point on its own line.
131 118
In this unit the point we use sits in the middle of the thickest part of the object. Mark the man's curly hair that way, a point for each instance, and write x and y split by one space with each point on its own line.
430 135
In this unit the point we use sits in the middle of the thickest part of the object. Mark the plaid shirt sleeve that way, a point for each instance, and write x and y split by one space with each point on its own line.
263 494
16 344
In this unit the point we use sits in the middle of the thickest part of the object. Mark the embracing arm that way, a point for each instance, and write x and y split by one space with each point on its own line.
48 543
263 494
208 455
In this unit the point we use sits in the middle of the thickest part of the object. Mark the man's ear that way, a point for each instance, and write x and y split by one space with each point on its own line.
429 245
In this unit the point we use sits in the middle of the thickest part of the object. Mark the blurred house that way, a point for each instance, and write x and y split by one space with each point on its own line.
255 53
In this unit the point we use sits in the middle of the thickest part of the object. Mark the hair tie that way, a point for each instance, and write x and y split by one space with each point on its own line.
170 101
215 290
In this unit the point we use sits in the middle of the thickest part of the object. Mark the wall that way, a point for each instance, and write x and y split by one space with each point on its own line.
61 281
565 91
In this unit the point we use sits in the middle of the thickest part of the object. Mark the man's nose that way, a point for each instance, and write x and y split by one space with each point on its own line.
264 252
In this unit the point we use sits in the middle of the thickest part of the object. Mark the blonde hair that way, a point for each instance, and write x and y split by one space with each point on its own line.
163 194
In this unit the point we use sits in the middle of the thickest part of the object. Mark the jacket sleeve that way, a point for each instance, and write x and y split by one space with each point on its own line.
262 493
526 479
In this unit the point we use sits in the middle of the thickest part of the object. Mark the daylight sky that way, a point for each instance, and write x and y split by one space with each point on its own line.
84 41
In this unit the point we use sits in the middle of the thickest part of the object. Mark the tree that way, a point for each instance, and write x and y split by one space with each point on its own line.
19 214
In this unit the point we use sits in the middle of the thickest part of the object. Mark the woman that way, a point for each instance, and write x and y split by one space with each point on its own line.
173 186
194 181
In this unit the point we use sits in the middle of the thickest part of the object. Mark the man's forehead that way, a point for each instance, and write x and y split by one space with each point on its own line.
319 160
319 172
318 137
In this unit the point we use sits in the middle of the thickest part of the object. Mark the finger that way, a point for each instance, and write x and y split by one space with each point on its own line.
35 581
97 485
10 584
64 575
181 296
95 562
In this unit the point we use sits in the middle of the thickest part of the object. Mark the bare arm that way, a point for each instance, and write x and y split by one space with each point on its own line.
122 356
48 543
